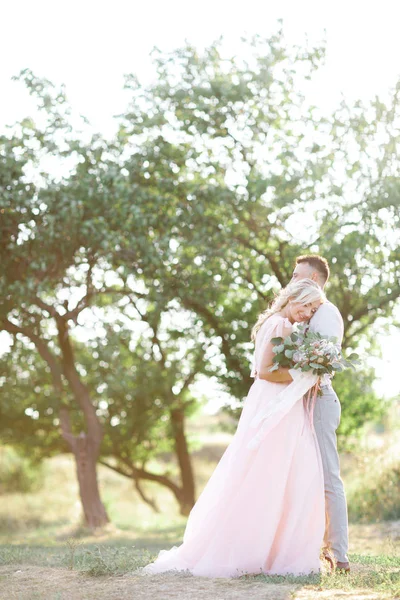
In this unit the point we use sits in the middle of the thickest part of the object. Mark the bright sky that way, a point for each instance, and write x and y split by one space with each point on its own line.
89 46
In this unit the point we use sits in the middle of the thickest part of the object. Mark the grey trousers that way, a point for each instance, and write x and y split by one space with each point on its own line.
326 420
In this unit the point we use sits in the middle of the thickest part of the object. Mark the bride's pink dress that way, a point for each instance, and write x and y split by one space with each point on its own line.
263 508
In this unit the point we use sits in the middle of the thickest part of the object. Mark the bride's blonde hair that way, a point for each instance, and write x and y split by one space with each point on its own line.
303 292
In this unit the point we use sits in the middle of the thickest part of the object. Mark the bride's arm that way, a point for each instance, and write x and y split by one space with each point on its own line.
282 374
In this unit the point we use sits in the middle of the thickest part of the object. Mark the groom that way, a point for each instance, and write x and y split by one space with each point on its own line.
328 321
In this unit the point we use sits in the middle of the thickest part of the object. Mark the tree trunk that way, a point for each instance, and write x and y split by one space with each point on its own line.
86 458
187 494
86 446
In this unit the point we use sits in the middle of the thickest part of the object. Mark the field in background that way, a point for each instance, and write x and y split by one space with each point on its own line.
372 479
54 511
44 553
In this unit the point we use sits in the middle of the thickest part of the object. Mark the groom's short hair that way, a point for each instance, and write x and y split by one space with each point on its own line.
319 263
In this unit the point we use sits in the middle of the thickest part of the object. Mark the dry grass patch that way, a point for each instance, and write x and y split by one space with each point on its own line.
308 594
31 583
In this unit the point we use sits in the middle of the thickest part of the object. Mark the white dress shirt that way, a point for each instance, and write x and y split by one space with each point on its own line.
328 322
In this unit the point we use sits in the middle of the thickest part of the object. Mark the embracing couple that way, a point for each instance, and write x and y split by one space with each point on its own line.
276 497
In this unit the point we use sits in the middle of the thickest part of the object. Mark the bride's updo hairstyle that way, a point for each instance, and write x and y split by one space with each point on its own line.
304 292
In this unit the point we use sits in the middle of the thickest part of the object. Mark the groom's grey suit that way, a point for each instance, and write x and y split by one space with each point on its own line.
328 321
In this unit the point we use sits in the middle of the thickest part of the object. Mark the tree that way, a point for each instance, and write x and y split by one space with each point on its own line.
141 398
39 262
282 180
60 275
221 173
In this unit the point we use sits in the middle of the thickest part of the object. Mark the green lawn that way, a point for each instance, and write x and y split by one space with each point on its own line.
44 553
116 555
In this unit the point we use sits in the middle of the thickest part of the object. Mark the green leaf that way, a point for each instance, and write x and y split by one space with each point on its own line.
337 367
276 341
279 349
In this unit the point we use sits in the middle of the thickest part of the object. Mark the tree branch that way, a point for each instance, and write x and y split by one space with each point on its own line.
136 473
366 310
281 277
47 307
78 388
148 501
259 293
210 317
56 374
370 314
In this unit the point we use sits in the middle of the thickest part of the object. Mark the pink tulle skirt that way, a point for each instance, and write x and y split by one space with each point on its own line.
262 511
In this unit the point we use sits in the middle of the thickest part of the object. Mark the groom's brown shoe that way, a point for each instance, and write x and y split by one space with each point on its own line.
343 567
329 559
340 567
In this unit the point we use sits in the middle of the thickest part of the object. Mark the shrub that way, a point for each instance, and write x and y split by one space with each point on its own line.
18 473
377 497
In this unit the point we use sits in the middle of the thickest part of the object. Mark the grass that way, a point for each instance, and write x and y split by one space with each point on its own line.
380 573
110 557
41 541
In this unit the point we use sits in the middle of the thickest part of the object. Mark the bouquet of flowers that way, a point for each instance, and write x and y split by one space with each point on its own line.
307 350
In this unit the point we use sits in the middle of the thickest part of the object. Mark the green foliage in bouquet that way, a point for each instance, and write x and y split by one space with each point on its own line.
310 351
284 349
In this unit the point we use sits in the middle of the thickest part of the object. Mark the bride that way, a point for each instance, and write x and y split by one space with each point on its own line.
262 511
